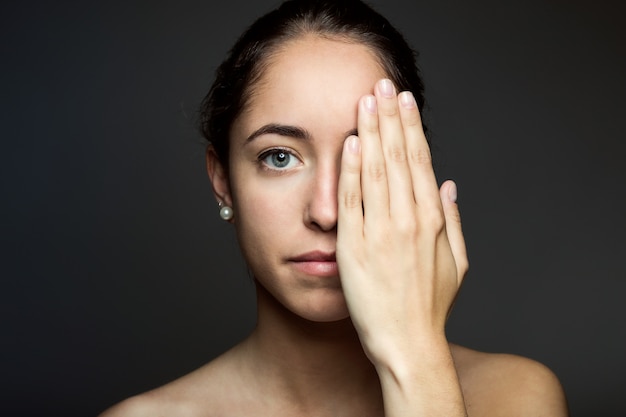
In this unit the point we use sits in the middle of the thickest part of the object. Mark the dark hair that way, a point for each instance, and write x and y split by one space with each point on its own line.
349 20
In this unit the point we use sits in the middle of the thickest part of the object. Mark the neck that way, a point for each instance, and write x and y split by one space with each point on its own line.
311 362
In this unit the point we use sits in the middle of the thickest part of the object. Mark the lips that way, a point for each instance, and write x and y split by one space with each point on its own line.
315 256
316 263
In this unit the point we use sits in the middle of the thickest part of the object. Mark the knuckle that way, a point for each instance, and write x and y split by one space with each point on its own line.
376 172
351 200
420 156
396 154
406 225
455 216
389 110
434 220
351 168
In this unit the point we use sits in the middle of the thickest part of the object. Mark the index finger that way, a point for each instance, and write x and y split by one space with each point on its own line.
350 200
425 186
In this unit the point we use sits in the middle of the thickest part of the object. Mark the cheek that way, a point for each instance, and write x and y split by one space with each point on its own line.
267 209
260 196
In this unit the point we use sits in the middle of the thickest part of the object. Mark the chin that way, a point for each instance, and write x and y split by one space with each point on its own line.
323 307
326 316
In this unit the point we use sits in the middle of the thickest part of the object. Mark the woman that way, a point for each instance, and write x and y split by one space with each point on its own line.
318 158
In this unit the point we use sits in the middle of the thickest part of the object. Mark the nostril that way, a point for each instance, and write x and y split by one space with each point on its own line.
322 201
325 220
322 213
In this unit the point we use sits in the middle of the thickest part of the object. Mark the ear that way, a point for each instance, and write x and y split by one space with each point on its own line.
218 176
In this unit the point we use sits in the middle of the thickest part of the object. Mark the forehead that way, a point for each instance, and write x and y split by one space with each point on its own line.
312 77
313 54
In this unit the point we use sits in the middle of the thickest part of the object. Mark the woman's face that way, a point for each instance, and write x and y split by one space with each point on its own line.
285 158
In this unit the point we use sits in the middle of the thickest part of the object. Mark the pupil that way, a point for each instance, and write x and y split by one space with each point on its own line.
281 159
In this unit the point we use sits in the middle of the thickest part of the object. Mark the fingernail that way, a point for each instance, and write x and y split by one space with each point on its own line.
386 88
452 192
370 104
354 146
407 99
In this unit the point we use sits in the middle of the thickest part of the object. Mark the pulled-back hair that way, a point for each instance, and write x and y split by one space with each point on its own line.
345 20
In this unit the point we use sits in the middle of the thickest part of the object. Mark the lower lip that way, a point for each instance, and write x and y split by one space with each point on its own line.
318 268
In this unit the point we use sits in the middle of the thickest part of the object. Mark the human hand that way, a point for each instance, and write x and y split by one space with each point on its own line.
400 249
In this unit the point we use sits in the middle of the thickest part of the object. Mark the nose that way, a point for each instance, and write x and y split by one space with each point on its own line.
321 210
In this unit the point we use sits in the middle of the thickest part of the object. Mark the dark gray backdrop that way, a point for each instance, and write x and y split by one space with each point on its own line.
118 276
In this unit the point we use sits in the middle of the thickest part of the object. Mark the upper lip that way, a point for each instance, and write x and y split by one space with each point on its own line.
315 256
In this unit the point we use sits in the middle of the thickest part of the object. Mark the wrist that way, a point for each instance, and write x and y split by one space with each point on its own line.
409 354
421 378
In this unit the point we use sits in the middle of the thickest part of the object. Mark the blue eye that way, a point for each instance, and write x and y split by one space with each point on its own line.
278 159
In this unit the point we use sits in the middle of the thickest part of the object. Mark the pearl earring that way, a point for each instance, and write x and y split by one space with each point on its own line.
226 213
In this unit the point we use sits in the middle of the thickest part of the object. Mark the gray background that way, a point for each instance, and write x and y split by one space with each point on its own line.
118 276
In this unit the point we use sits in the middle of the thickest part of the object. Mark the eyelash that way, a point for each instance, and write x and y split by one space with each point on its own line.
273 151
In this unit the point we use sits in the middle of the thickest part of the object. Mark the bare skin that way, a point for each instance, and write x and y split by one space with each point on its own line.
357 328
340 383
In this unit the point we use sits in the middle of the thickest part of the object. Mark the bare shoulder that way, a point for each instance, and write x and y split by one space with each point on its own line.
507 385
203 392
138 406
168 400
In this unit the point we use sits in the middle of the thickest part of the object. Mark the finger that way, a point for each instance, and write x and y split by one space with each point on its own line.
401 198
448 194
374 185
350 211
418 154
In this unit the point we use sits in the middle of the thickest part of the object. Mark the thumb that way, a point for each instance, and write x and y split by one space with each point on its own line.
448 194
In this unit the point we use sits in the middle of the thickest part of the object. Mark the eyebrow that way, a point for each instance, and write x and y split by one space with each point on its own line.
287 130
278 129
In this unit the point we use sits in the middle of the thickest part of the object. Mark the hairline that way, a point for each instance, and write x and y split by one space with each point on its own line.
280 45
